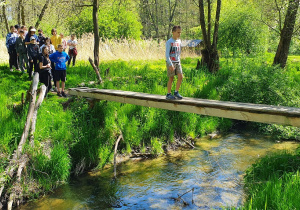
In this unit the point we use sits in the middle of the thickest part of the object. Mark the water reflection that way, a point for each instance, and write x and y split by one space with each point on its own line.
214 169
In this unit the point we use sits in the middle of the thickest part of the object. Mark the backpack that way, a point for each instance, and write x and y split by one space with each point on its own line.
12 43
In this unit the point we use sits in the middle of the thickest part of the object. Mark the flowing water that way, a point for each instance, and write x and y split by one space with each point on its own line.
211 175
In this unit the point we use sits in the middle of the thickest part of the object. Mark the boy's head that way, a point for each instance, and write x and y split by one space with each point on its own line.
32 40
72 36
61 35
40 31
176 30
12 29
47 41
59 48
21 33
53 31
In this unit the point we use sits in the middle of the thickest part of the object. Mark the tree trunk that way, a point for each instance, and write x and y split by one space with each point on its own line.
42 14
96 33
5 18
286 34
210 57
23 14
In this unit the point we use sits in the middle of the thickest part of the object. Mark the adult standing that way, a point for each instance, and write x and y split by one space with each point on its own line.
45 68
55 39
31 32
11 39
72 43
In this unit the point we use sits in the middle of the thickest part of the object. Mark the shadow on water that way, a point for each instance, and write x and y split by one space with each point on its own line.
214 169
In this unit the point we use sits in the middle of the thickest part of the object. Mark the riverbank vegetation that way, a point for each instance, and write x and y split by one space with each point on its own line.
72 137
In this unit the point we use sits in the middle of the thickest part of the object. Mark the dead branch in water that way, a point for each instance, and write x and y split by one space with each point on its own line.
115 154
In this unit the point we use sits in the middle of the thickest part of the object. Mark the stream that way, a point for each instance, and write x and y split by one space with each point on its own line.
211 175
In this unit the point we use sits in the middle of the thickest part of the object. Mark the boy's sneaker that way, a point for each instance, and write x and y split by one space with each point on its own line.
59 94
63 94
177 95
169 96
11 70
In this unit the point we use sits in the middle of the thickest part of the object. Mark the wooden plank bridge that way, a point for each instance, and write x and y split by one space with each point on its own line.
233 110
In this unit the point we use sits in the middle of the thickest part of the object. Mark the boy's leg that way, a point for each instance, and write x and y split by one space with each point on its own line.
10 61
69 61
57 86
21 62
74 59
30 69
169 86
179 80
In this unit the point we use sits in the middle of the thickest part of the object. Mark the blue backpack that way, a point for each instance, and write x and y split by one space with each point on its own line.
12 43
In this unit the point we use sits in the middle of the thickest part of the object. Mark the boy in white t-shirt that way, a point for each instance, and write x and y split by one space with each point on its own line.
72 49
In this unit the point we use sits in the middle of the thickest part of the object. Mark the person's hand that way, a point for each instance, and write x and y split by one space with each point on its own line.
18 54
48 65
171 68
31 61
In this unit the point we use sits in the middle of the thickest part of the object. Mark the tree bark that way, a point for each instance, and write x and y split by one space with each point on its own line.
286 34
210 57
96 33
23 13
5 17
42 14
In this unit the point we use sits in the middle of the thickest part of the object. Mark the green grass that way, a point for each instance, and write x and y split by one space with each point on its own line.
274 182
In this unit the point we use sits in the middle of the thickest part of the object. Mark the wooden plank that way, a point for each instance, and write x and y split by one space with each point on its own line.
234 110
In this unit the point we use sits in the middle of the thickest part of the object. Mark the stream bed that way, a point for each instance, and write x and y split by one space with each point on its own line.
211 175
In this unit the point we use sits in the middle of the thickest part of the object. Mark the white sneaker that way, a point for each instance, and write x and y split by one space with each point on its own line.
11 70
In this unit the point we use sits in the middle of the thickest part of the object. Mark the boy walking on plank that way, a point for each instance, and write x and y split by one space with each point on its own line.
59 74
173 49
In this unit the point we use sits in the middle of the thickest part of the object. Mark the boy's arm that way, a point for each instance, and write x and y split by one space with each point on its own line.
52 57
168 48
7 38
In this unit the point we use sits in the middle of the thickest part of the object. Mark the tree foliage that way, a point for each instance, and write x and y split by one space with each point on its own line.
115 21
241 31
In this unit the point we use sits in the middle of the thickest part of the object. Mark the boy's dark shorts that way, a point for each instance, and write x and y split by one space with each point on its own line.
59 75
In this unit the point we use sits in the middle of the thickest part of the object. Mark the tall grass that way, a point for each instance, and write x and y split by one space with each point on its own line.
114 49
274 182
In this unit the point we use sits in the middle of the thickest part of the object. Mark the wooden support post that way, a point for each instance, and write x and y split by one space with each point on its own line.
96 69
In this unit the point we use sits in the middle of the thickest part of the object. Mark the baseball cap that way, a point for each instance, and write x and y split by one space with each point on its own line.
32 37
33 29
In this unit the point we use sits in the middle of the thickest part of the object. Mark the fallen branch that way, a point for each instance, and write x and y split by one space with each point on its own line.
96 69
187 142
34 116
16 161
115 154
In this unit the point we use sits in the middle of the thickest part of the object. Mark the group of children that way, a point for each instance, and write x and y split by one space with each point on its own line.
49 58
43 54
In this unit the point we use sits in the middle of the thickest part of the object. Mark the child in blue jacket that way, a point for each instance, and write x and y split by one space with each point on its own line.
59 74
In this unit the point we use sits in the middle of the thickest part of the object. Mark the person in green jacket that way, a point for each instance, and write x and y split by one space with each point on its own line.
22 51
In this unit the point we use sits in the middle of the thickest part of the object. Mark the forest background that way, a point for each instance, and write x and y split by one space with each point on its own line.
245 26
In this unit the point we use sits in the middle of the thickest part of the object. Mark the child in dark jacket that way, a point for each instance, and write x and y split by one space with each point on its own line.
22 52
33 55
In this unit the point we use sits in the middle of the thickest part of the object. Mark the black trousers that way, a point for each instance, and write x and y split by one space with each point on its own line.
13 59
31 65
45 78
74 59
